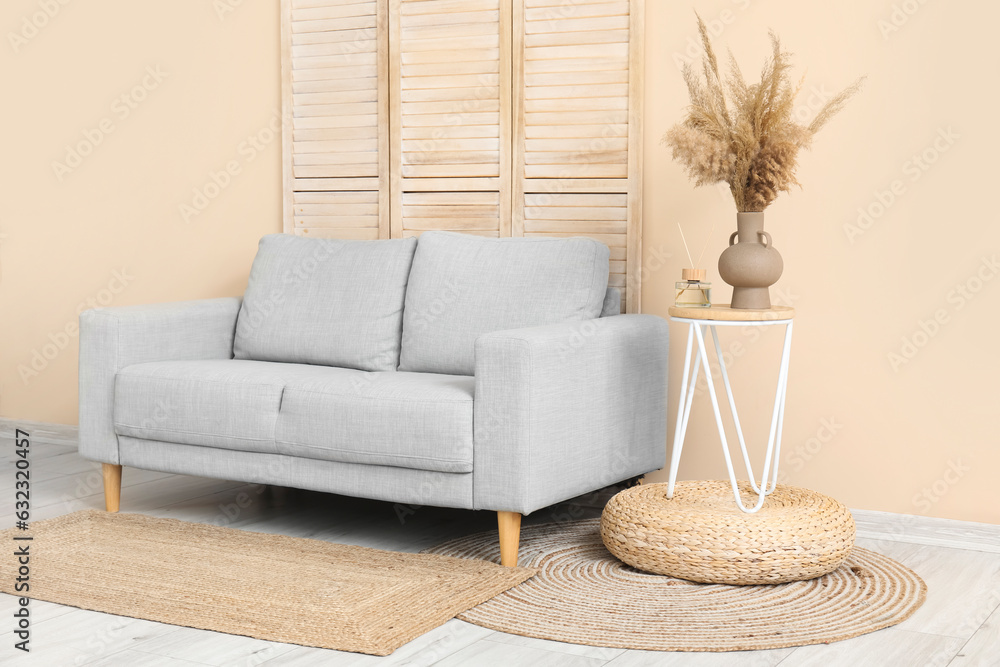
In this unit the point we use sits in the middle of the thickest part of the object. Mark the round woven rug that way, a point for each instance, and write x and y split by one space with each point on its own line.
584 595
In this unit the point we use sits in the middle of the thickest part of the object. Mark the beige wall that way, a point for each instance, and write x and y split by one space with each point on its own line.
916 437
120 209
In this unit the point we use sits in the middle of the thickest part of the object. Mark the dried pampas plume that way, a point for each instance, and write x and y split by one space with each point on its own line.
746 134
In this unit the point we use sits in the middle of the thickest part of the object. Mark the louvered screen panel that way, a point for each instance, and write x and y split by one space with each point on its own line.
577 71
468 212
336 159
450 116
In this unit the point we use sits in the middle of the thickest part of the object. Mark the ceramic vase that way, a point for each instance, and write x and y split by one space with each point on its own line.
750 264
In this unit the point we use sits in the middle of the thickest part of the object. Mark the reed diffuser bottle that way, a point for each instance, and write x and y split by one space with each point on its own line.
691 291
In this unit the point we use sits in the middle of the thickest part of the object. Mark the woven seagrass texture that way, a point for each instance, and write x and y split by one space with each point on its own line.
271 587
584 595
701 535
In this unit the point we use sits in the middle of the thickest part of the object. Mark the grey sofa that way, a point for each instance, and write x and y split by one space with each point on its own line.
456 371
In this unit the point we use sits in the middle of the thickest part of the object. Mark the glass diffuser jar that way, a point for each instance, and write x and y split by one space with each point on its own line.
692 291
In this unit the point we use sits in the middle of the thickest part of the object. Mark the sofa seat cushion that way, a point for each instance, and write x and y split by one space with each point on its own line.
408 420
325 301
225 403
463 286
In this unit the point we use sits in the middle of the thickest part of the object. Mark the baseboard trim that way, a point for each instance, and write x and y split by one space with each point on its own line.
930 531
53 434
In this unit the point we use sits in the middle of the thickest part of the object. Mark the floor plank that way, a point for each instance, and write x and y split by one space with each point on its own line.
889 647
423 651
983 650
212 648
79 638
600 652
138 658
963 587
729 659
488 653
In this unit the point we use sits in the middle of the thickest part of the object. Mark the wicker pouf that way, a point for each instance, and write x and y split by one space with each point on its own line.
701 535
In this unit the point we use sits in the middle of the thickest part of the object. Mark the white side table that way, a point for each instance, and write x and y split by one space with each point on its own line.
700 319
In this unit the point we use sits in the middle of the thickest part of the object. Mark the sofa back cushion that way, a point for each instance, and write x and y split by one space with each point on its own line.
462 286
325 301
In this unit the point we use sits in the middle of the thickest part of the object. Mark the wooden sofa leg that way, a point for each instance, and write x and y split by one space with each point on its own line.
112 486
510 535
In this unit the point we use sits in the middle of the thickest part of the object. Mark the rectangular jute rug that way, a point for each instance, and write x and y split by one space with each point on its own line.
272 587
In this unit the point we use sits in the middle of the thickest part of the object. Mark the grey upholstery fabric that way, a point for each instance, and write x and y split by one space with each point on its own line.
113 338
568 408
612 302
462 286
410 420
398 485
325 301
229 403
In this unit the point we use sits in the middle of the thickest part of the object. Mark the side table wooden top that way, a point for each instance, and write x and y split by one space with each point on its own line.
724 313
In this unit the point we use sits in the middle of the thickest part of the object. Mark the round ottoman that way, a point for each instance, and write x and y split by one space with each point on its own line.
701 535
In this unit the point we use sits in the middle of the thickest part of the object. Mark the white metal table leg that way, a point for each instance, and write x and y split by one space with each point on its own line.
688 383
777 419
722 431
732 409
780 399
777 414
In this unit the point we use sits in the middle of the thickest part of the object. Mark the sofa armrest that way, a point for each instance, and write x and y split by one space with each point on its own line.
113 338
565 409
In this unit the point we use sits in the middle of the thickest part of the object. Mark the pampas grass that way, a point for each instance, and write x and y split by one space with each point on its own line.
745 134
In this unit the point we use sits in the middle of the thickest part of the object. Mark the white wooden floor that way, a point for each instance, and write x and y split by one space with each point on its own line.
958 626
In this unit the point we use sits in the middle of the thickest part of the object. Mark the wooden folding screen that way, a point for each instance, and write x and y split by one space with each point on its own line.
577 82
490 117
336 118
450 116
